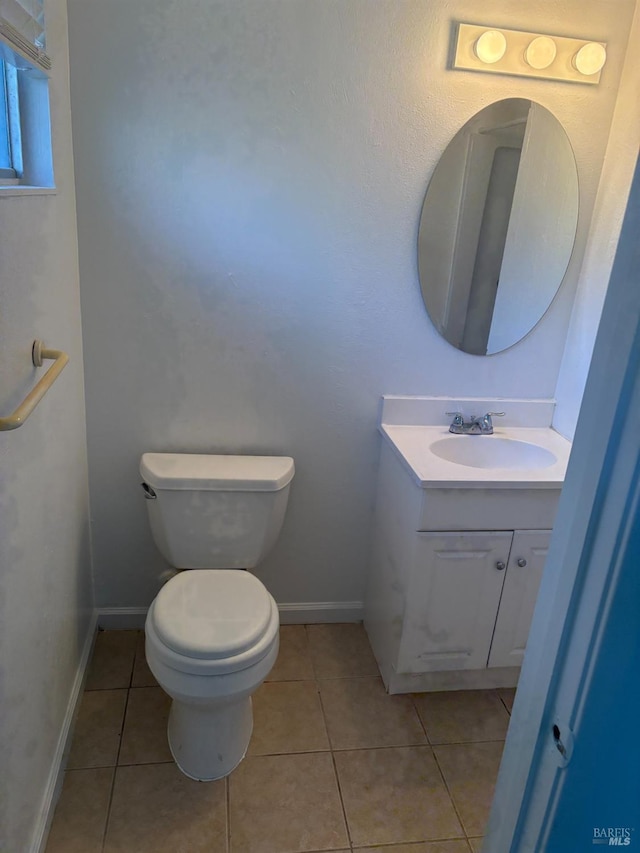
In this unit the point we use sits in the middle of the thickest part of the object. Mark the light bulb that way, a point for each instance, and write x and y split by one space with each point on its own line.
490 47
590 58
540 53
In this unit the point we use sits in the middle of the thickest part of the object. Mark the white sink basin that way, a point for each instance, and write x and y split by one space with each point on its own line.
491 451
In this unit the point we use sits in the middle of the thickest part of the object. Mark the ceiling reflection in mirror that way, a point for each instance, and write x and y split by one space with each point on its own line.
498 225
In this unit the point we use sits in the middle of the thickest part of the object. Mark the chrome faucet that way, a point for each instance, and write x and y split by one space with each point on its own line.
475 426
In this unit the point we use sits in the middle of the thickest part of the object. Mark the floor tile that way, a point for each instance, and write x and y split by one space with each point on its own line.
476 844
458 845
285 804
157 809
81 814
462 716
112 661
360 713
470 771
395 795
294 657
142 675
96 738
144 737
341 650
507 694
287 717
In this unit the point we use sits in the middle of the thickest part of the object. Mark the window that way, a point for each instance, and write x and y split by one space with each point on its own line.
25 131
10 135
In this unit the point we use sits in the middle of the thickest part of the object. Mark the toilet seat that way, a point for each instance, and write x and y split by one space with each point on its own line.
212 613
212 621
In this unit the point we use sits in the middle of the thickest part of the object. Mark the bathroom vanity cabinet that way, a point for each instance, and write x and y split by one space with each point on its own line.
453 579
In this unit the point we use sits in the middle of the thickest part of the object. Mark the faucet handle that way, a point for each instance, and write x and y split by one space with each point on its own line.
486 424
458 417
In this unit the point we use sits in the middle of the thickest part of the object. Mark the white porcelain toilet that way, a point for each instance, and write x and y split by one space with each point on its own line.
212 634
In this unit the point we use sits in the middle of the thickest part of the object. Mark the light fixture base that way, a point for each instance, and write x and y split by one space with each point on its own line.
524 51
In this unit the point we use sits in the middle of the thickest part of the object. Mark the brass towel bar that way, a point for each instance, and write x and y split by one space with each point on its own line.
38 353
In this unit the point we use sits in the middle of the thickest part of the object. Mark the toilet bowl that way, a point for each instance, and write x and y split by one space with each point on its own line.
210 652
212 633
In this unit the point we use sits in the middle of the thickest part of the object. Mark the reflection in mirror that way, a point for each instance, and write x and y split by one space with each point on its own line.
497 226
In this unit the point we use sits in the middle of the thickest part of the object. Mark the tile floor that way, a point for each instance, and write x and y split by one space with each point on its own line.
334 762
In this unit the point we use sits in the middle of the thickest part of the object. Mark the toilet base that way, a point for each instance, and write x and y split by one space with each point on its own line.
208 742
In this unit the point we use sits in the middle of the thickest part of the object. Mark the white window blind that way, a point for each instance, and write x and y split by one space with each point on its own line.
22 30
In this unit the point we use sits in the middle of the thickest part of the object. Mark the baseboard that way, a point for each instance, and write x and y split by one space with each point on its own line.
56 774
304 612
122 618
295 613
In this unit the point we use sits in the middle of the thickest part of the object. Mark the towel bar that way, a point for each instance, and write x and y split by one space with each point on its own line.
38 353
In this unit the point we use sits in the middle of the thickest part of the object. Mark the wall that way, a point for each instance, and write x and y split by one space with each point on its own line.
45 580
620 160
249 183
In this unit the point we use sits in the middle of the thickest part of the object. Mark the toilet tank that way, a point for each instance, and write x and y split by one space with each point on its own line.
215 512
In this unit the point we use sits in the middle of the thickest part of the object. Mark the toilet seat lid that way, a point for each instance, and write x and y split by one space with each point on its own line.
212 613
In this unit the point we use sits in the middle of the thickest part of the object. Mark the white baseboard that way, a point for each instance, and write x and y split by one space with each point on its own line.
294 613
122 618
56 774
304 612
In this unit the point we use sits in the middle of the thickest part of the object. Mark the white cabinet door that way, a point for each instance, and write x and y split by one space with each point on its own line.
524 572
452 600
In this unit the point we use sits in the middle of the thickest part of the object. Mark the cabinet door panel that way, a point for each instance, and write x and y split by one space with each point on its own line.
519 597
452 600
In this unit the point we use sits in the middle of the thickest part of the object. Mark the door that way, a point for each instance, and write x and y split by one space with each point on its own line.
585 628
519 593
452 600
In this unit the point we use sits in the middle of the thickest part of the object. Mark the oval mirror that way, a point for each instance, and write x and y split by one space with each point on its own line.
498 225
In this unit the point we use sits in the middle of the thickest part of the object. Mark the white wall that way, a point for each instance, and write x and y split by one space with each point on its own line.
617 172
250 177
45 580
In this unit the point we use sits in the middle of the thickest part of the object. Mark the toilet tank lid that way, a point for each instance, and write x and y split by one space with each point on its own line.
203 472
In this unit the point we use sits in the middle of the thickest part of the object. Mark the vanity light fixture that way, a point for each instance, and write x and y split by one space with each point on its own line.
590 58
525 54
490 47
540 52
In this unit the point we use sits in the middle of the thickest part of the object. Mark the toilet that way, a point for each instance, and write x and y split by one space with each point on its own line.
212 633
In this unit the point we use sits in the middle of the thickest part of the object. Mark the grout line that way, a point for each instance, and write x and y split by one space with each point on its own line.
324 717
354 678
135 657
342 805
413 745
420 745
453 802
469 742
508 710
313 663
335 769
314 677
422 722
227 806
133 661
394 845
115 770
103 689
